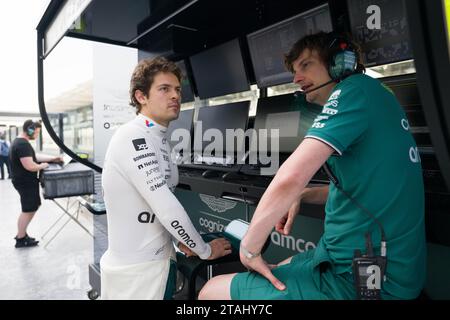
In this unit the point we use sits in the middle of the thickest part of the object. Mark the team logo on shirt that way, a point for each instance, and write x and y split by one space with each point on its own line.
327 111
317 124
150 163
146 217
142 156
150 171
157 185
140 144
183 234
149 124
335 95
332 103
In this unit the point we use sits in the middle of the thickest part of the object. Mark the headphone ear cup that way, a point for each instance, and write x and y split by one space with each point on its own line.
333 69
30 131
342 64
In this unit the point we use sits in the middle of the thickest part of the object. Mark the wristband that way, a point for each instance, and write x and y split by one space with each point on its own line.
248 254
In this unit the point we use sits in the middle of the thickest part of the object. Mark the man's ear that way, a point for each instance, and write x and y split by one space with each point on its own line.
140 97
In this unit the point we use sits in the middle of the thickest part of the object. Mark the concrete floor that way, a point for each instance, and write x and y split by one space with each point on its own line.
59 271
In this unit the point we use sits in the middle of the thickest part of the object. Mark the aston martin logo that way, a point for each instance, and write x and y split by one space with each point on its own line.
217 204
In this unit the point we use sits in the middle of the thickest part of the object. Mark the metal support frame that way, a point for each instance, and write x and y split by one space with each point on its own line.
66 212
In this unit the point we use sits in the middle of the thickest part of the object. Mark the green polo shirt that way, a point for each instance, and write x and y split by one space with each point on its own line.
377 162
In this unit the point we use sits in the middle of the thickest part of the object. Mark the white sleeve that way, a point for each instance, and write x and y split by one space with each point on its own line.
175 241
148 180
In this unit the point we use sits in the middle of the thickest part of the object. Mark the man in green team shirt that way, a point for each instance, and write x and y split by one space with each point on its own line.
363 135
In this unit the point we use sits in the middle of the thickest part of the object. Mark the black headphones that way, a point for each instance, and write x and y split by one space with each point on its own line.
343 60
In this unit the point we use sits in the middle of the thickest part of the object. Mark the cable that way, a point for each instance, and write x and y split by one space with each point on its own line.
335 181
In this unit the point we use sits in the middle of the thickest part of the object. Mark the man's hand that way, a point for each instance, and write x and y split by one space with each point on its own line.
43 165
188 252
284 226
58 159
219 248
259 265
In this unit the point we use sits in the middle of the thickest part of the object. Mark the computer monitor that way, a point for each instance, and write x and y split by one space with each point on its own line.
226 116
187 94
388 44
291 116
220 70
268 46
184 122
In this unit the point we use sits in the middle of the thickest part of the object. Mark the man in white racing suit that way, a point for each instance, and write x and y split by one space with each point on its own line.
144 217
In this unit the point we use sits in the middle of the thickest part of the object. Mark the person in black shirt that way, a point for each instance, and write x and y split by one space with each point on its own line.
24 168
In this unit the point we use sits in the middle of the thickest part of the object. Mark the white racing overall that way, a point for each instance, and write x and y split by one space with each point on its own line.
142 213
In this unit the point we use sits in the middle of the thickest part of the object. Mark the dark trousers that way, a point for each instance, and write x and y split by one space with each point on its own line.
4 160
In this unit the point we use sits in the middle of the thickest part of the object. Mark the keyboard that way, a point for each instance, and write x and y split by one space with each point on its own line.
218 167
54 166
255 169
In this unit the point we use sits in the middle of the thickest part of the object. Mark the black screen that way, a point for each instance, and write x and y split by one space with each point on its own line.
184 121
268 46
220 70
187 93
388 44
222 117
291 116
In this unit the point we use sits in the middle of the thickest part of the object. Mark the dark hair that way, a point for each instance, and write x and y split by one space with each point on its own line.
320 42
28 123
144 73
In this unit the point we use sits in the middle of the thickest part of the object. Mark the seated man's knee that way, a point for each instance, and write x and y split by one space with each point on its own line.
218 288
206 292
